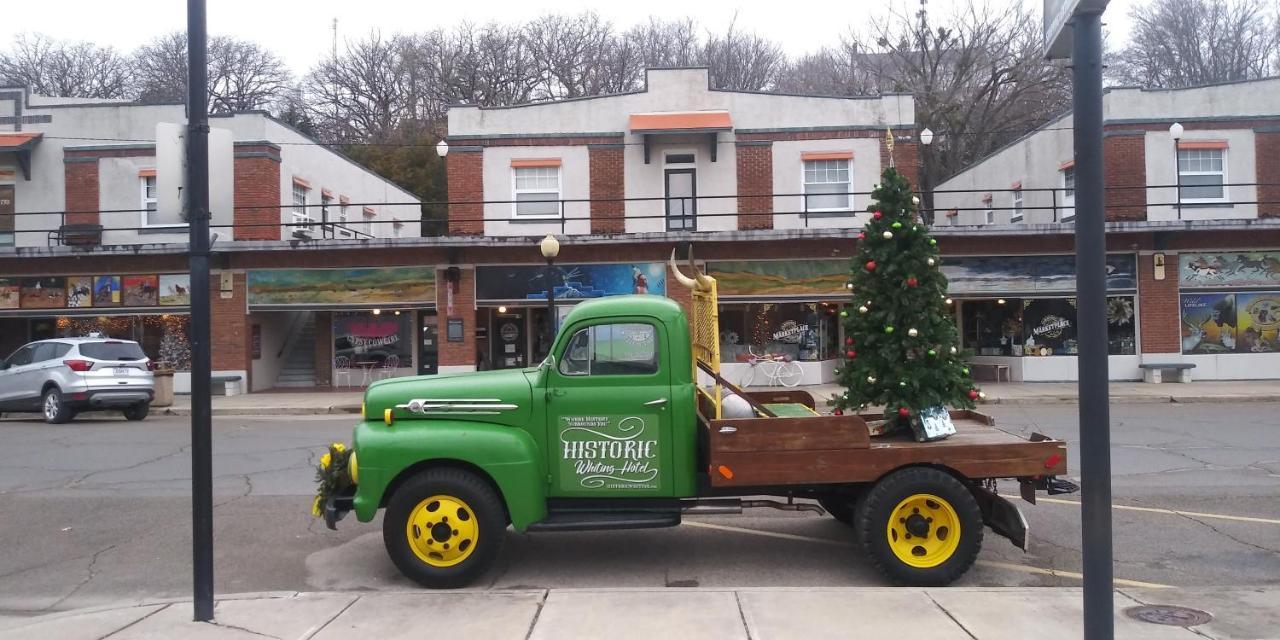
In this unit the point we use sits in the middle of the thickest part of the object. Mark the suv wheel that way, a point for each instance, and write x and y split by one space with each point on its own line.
138 411
55 410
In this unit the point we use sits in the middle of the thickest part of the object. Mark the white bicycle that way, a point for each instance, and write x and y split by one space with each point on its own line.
777 368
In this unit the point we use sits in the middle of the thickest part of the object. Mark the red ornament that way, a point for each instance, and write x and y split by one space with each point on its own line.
851 354
973 394
904 412
862 235
838 412
911 282
871 265
877 215
848 341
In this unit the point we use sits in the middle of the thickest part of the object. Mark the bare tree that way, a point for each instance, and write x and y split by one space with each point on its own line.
667 43
489 65
362 94
743 61
242 75
573 55
1180 43
64 69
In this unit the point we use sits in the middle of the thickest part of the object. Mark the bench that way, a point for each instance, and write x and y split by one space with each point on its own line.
1153 372
225 385
994 372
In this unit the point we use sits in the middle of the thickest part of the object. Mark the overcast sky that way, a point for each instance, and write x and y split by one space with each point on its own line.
301 32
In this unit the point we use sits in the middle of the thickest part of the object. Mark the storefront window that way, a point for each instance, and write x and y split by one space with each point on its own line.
1215 323
1041 326
366 338
163 337
803 330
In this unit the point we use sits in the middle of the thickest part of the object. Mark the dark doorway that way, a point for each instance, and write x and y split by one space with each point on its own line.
428 344
508 340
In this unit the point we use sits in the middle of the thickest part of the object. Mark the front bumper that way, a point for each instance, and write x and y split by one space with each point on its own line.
337 507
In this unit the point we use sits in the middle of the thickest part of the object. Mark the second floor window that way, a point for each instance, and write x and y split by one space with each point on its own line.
300 203
1017 206
149 201
536 192
1203 174
826 185
1069 193
325 201
342 213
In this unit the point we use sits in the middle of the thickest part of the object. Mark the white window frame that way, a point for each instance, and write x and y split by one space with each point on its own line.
804 185
154 200
515 193
988 212
368 220
301 216
397 229
1068 206
1016 197
1183 199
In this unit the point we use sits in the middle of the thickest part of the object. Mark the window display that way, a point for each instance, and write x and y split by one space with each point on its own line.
163 337
1041 326
805 331
1216 323
373 339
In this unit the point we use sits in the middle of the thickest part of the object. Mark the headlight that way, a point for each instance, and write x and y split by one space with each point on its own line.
353 469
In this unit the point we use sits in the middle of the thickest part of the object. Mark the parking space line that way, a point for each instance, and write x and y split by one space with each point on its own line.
1057 573
1171 512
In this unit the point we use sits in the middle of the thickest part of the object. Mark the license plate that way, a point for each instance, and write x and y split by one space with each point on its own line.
123 371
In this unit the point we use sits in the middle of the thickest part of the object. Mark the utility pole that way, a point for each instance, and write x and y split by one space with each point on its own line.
1091 292
201 358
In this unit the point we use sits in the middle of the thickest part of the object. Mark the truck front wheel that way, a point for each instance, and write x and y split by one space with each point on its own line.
444 528
920 526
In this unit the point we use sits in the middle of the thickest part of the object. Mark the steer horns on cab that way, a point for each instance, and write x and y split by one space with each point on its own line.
699 282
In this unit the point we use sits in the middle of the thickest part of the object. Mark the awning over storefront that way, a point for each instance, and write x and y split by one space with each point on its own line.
20 144
709 123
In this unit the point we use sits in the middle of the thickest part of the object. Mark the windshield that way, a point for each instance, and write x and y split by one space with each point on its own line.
112 351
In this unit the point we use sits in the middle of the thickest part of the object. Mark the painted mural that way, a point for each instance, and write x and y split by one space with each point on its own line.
140 291
1230 269
106 291
1029 274
80 291
44 293
806 278
10 293
342 286
175 289
570 281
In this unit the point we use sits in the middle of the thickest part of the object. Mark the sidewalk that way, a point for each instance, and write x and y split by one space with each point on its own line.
348 402
644 614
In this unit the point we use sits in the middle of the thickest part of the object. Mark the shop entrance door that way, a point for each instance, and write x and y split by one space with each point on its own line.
428 344
681 200
509 346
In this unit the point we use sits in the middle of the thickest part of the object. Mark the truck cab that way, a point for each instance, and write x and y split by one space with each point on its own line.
622 427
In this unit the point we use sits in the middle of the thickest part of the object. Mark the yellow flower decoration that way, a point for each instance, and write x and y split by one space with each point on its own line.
339 447
316 507
325 461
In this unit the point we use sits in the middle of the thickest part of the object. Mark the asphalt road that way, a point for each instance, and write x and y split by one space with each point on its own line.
98 511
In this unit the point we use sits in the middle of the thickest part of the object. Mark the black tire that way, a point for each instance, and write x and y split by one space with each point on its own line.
490 519
138 411
839 507
55 410
875 509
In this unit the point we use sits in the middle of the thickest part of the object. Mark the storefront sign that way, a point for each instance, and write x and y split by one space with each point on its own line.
570 281
617 452
1021 274
777 278
362 286
1215 323
1050 324
1229 269
373 340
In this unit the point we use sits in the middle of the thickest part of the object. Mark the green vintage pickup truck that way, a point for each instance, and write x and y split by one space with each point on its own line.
623 426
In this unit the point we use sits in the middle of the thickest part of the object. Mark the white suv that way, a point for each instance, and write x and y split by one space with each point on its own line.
64 376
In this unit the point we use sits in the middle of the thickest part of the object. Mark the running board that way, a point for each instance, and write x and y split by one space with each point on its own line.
605 520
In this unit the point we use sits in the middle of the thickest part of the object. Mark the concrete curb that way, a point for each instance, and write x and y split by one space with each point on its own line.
269 411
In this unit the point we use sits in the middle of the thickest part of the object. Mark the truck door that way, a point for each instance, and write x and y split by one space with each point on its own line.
608 412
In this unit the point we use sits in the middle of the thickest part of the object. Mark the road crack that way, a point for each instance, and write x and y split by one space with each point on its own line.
93 562
949 615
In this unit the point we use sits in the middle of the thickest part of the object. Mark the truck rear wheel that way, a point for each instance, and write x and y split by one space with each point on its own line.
921 527
444 528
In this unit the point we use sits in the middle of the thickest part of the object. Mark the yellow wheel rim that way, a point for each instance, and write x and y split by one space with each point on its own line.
923 531
442 530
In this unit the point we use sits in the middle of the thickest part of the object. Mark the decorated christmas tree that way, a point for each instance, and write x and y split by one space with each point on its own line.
900 349
175 352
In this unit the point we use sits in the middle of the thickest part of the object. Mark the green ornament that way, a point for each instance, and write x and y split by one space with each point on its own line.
902 384
844 314
888 329
932 353
836 372
933 242
896 225
965 371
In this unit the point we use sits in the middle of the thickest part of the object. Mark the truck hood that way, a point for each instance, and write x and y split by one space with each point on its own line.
499 397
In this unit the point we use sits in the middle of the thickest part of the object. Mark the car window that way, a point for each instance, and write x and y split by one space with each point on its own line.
62 349
113 350
21 356
44 351
612 349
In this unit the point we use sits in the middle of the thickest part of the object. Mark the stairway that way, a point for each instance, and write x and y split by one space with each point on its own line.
299 369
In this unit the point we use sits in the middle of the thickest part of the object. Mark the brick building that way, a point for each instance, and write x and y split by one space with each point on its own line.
1203 235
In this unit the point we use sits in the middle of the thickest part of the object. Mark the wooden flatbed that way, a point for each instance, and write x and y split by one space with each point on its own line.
829 449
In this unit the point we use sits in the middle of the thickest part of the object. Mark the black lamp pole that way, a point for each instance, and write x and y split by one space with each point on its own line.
551 303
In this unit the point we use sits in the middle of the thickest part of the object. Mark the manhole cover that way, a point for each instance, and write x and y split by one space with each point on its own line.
1169 614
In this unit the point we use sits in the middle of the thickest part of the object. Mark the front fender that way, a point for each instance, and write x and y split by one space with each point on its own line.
508 455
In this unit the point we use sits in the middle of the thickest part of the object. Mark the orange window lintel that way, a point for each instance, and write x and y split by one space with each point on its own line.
146 173
1202 144
826 155
535 162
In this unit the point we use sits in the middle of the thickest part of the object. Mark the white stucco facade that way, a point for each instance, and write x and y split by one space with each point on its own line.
606 118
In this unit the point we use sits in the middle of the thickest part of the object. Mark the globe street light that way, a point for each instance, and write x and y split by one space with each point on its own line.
926 139
1175 132
442 148
550 248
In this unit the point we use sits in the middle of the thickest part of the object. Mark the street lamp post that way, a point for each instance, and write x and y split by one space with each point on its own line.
926 139
550 248
1175 132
